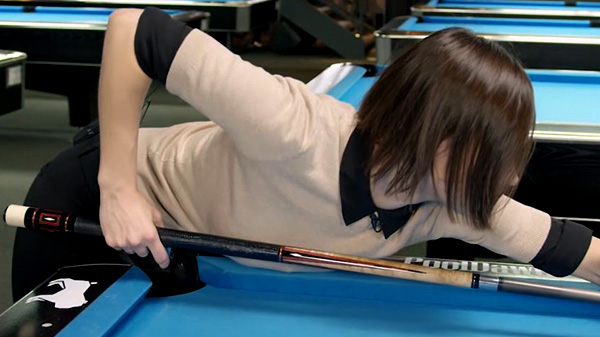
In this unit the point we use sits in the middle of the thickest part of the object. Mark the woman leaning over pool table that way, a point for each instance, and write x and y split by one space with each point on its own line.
436 148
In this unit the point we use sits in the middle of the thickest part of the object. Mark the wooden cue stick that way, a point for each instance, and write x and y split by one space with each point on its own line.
56 221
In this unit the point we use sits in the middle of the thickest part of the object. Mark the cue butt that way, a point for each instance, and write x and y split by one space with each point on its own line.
56 221
39 219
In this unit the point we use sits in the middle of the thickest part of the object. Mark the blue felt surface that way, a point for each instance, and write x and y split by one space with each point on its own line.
567 99
243 301
554 28
552 5
220 1
108 309
560 97
348 82
59 14
355 95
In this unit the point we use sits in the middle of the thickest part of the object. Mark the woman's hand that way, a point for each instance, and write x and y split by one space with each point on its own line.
128 220
129 223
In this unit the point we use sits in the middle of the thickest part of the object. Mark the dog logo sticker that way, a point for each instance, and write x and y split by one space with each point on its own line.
71 295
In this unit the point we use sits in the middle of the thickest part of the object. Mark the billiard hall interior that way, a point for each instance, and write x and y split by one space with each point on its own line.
50 55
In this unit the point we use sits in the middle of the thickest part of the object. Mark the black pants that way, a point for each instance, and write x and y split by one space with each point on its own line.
67 183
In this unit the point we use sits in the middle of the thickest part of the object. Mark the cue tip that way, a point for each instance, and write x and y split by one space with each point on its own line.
14 215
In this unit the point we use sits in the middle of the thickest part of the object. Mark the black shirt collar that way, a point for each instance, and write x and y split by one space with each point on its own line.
355 190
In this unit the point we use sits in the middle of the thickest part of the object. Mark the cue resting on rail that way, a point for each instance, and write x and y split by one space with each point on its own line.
56 221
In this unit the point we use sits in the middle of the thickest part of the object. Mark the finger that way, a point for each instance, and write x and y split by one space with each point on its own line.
159 253
128 250
110 241
157 218
141 251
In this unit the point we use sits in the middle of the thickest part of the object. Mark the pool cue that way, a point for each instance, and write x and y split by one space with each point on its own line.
56 221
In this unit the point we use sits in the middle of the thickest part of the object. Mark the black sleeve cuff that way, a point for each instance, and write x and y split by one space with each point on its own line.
564 249
157 39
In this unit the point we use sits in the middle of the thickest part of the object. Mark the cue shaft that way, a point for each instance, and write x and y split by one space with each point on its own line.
394 269
521 287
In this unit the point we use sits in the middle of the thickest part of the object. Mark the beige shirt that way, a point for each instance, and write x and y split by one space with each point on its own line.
267 167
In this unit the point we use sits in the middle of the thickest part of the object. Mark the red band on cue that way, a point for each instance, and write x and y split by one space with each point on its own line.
280 253
66 222
33 218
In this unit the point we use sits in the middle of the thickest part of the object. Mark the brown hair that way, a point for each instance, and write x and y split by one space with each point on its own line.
459 87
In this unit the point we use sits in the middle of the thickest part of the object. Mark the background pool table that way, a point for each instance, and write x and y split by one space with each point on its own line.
527 4
238 16
566 101
562 178
539 43
239 300
64 48
510 8
12 80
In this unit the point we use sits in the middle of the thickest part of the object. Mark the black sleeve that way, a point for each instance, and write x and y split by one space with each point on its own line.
564 249
157 39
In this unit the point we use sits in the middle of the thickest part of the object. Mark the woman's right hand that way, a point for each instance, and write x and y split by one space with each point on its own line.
129 223
128 219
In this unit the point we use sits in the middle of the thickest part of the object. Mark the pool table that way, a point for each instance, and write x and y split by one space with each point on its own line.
236 300
566 101
233 16
539 43
562 176
64 48
12 80
536 9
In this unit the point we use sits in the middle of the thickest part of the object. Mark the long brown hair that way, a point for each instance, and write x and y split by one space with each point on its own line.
459 87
